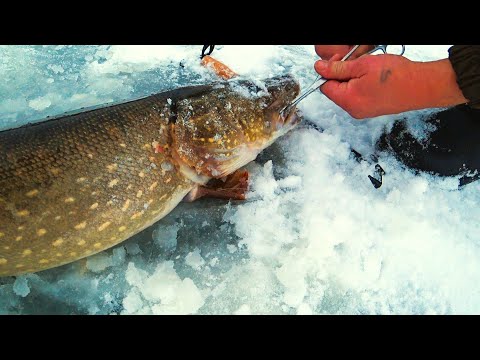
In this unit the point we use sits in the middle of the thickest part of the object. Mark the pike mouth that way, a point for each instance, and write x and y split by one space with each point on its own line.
282 114
285 122
292 118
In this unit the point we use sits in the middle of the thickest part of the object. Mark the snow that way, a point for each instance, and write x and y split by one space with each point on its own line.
304 309
313 237
163 291
243 310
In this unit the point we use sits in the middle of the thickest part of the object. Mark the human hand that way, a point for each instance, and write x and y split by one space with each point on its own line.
327 52
389 84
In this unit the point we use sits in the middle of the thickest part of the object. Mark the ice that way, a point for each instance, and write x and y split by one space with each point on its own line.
304 309
166 238
290 182
313 237
118 255
20 286
57 69
243 310
161 293
132 302
40 103
133 248
194 259
213 262
99 262
231 248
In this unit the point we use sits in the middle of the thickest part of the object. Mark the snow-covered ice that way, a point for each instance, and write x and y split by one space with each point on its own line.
314 236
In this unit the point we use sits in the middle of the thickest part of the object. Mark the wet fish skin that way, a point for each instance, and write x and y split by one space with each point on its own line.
78 184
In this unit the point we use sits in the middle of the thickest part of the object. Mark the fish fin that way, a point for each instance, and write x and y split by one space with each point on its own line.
222 166
218 67
232 187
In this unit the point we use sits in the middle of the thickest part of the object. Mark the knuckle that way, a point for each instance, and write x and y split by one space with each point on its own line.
336 67
340 66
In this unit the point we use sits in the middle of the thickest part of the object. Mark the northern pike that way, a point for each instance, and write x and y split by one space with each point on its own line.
80 183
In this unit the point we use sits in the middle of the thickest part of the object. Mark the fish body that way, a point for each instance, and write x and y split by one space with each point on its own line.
78 184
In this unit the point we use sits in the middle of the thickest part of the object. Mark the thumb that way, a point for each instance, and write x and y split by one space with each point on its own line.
338 70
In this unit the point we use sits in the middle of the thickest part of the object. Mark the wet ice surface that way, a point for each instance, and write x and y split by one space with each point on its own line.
314 237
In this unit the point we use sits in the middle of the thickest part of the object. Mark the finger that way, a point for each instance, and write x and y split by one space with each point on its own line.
362 50
336 57
339 70
327 51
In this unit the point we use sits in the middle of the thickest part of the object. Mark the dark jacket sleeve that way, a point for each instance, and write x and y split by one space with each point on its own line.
465 61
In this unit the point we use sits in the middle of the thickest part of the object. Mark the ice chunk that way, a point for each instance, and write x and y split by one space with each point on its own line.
163 292
118 256
290 182
99 262
213 261
132 302
231 248
165 237
132 248
40 103
20 286
57 69
108 297
194 259
135 276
